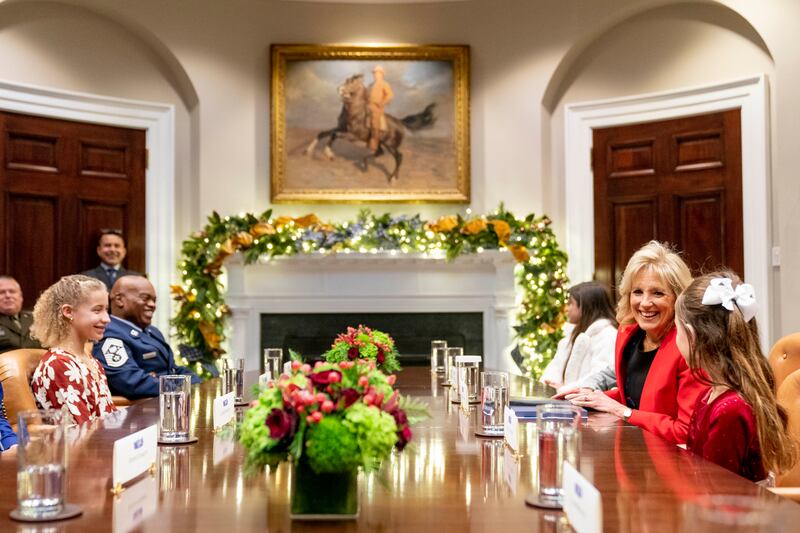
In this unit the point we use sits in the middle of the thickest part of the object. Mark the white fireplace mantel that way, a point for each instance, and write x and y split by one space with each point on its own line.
374 283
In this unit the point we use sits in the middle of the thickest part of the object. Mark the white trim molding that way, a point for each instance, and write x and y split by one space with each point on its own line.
159 122
750 95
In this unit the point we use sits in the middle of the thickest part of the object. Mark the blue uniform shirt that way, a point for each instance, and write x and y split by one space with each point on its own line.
7 436
129 353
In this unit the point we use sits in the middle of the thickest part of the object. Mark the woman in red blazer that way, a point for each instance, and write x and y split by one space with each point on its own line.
655 388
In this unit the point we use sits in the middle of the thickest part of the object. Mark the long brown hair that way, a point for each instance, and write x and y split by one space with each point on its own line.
592 299
727 349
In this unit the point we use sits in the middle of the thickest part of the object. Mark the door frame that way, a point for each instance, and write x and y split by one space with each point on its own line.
158 120
750 95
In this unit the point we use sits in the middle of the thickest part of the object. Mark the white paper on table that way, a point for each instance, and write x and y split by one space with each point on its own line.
134 454
511 429
135 505
582 502
223 409
264 379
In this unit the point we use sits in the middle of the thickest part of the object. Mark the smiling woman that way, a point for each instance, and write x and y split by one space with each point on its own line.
655 388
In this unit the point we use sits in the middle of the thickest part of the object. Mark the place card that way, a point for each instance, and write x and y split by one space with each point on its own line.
135 505
511 430
287 368
223 409
264 379
134 455
582 502
223 448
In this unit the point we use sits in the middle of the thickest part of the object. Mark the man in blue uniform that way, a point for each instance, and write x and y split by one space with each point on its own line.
134 353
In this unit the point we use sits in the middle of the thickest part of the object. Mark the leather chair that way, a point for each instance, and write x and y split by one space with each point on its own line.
784 358
16 372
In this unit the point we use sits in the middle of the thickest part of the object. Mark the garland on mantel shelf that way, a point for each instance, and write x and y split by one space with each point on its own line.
540 272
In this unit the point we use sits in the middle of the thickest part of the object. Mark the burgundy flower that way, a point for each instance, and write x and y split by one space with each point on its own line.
403 437
350 396
381 356
400 417
352 353
325 378
281 424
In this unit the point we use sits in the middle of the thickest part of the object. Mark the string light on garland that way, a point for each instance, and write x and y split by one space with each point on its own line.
541 279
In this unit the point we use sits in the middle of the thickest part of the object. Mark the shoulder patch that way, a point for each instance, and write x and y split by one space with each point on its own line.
114 352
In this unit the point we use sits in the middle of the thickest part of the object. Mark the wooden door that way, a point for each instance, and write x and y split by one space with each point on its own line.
678 181
61 182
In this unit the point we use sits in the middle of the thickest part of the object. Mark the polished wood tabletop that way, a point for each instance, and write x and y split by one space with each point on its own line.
447 480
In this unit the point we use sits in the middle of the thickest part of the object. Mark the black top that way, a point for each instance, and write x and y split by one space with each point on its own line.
637 365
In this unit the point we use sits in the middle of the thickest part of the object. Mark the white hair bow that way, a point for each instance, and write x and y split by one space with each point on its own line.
720 291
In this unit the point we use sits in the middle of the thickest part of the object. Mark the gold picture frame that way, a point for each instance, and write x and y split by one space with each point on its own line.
317 89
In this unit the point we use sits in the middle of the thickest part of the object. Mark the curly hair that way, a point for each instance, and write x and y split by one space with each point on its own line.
50 326
660 259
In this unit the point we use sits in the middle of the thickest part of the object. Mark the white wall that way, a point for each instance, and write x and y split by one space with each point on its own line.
517 45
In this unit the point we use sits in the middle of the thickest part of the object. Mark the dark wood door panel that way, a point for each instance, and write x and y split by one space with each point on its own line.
634 224
31 236
700 234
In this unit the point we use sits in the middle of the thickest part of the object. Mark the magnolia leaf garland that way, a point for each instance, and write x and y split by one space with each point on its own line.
541 265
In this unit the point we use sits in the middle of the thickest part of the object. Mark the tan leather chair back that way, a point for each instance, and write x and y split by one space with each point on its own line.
784 358
16 372
789 399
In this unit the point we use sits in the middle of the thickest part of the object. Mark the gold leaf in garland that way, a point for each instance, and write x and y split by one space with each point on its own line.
226 249
177 292
243 239
326 228
444 224
282 221
209 332
474 226
501 229
520 253
309 220
262 228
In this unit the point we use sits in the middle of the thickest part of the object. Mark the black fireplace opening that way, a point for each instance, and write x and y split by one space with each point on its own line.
311 334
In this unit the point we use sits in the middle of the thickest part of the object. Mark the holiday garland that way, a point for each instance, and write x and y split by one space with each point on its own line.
541 277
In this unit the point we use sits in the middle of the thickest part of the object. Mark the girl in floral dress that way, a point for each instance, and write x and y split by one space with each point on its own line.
67 315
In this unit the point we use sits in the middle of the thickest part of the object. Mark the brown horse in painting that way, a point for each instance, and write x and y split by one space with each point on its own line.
353 125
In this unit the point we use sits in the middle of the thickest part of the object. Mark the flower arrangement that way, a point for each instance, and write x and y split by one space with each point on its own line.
364 343
334 417
201 311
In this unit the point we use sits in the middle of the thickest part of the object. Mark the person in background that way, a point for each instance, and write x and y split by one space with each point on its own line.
8 439
132 351
111 251
70 313
589 348
737 423
15 324
656 390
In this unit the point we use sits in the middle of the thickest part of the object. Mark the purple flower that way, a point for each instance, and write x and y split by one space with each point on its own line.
281 424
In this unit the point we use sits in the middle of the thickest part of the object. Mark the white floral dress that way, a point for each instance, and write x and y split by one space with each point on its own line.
63 380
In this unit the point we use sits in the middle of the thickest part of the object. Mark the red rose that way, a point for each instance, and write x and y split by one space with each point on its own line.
350 397
325 378
352 353
403 437
381 357
281 424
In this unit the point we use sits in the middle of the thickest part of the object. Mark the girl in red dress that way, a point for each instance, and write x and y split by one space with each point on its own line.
67 315
737 423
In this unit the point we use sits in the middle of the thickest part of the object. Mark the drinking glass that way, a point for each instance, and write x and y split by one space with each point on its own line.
494 400
273 362
557 440
234 380
467 371
175 397
438 348
451 352
41 463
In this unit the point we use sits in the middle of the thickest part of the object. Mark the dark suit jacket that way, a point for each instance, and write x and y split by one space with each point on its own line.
13 337
100 273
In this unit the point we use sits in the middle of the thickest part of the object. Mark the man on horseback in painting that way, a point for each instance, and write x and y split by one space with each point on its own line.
380 94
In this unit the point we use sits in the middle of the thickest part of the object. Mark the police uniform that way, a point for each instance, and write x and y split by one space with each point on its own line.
17 334
129 354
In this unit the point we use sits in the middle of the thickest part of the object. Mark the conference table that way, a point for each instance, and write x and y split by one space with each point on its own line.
447 480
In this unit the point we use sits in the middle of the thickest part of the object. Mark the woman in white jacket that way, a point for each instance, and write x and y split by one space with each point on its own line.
589 349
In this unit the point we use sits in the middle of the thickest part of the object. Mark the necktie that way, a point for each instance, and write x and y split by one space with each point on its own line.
15 321
112 275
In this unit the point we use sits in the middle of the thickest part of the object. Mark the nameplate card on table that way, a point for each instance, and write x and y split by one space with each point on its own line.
511 430
582 502
264 379
135 505
223 409
134 455
287 368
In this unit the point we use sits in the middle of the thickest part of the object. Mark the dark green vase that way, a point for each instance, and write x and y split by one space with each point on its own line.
323 496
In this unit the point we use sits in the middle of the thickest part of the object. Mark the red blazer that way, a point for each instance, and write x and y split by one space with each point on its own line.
670 391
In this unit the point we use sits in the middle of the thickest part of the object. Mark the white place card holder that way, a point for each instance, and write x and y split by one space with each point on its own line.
223 448
134 455
511 430
582 502
223 409
510 470
287 368
135 505
264 379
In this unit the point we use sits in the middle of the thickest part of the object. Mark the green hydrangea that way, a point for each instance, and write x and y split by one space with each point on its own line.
374 430
331 447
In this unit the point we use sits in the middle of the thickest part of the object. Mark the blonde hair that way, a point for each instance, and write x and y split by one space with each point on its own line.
727 349
660 259
50 326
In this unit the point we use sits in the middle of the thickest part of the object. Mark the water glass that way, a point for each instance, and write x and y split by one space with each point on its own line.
273 362
557 440
234 380
41 463
450 378
494 400
438 348
175 398
467 370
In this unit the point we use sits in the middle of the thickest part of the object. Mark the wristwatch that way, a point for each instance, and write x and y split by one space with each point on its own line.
626 414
